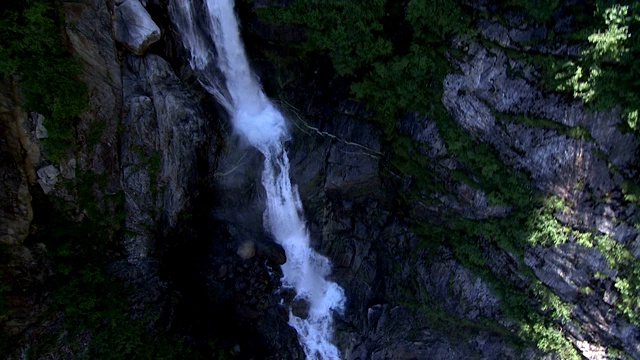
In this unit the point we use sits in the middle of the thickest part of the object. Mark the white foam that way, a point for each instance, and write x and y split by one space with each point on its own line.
261 128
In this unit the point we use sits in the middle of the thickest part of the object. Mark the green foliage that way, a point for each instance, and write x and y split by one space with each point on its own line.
351 32
31 52
95 302
409 82
617 353
575 132
631 192
502 184
607 74
627 281
394 54
549 338
543 327
538 312
546 230
95 131
541 10
434 21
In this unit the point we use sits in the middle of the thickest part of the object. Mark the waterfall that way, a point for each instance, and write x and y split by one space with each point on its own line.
209 31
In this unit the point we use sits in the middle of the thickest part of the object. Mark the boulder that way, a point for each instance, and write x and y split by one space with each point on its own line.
272 252
246 250
48 177
134 27
38 122
68 169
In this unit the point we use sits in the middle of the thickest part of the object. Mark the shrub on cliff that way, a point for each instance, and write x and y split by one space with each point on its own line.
32 54
607 74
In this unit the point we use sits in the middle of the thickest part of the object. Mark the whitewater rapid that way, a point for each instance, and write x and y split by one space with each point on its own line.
210 33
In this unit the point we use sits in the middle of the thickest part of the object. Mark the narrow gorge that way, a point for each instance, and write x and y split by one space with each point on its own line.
301 179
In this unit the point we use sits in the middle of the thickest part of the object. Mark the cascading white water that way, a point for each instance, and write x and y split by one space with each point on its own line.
219 51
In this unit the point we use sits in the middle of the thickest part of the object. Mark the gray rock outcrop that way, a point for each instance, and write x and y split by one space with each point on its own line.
162 133
89 29
585 172
133 26
48 177
40 132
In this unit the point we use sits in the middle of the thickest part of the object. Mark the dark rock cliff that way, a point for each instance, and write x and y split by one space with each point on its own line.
191 244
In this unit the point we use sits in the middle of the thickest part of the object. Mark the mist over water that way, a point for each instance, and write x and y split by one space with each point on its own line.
210 33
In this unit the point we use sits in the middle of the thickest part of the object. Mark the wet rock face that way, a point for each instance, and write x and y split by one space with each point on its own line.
15 198
405 302
23 266
242 301
163 130
469 202
395 332
556 162
89 30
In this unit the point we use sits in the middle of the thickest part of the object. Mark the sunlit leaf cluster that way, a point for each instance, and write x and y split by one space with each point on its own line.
607 74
